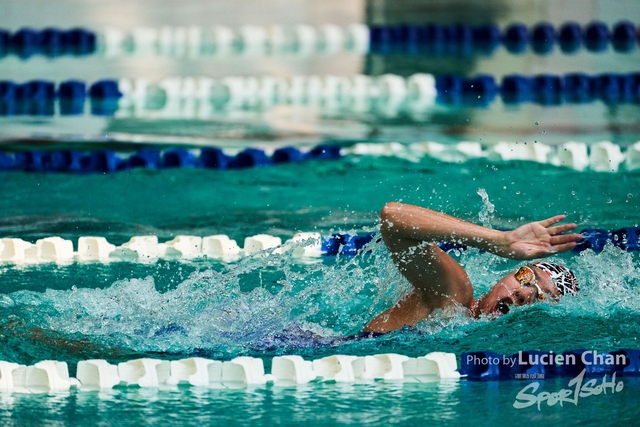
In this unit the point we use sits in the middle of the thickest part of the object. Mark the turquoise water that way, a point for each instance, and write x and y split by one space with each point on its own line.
278 305
448 404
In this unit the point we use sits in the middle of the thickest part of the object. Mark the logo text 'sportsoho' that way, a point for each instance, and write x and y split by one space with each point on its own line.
576 390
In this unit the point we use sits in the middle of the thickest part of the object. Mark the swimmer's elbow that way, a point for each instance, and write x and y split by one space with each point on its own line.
388 212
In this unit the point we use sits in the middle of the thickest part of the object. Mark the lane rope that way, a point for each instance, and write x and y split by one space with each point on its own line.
243 371
221 247
412 39
603 156
387 95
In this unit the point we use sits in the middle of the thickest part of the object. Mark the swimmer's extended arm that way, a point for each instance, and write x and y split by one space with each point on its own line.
411 232
533 240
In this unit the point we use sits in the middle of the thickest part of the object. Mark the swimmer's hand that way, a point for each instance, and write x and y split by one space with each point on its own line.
538 239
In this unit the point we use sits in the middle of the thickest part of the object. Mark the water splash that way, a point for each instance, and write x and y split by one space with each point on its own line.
255 303
488 208
274 304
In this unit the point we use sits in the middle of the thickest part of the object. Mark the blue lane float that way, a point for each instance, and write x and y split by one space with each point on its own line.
600 157
38 97
108 161
623 37
465 40
51 42
597 37
543 38
570 37
542 89
516 38
344 244
178 158
595 239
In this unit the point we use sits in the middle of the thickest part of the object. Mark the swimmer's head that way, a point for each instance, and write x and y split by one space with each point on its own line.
561 276
538 281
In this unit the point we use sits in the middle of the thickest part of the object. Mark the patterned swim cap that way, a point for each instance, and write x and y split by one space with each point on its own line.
561 276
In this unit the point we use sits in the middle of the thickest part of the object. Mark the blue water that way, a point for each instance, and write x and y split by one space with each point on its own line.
267 306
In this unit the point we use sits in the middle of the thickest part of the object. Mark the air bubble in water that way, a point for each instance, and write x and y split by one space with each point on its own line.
629 196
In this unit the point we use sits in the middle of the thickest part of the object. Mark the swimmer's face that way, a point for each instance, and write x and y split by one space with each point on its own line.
509 292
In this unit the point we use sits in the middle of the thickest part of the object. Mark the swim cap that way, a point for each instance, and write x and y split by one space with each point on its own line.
561 276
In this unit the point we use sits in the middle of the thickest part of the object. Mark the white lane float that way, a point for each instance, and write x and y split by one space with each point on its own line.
144 372
292 369
97 374
605 156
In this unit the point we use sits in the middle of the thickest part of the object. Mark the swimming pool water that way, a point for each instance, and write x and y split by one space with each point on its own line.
267 306
447 404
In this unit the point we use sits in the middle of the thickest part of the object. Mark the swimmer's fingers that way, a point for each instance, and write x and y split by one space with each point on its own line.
555 249
559 229
550 221
564 239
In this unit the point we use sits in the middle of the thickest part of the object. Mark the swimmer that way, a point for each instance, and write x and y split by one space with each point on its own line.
410 233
